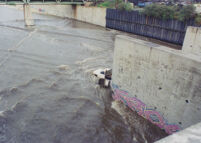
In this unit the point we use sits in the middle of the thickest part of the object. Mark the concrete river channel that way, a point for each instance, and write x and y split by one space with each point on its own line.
47 91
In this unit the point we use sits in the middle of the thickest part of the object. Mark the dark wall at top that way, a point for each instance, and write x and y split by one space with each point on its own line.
172 31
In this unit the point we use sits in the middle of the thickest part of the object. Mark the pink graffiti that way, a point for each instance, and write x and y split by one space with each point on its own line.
149 114
41 10
171 128
160 122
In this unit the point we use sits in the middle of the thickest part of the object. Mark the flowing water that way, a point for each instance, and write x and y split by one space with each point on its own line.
47 91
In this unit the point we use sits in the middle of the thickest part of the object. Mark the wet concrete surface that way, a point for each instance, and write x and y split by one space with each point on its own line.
47 91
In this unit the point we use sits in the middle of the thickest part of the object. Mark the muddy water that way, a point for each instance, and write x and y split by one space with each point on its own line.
47 92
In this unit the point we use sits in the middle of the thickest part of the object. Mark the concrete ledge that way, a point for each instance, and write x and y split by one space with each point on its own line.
189 135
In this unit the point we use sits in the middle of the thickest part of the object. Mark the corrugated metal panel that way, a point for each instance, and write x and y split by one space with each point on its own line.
133 22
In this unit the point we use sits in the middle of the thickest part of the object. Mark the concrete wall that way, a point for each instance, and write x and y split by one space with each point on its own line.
163 85
189 135
192 41
55 10
93 15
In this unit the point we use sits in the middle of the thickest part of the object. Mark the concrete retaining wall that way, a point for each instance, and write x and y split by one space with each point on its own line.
163 85
55 10
93 15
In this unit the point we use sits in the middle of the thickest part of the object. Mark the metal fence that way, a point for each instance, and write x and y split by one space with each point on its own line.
172 31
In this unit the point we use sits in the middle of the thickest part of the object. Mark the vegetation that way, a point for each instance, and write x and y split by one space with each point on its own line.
158 11
107 4
172 12
121 5
118 4
11 3
198 19
186 12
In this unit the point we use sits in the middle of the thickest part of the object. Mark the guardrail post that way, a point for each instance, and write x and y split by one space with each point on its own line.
28 15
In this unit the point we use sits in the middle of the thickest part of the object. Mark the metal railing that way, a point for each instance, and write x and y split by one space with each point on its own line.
35 2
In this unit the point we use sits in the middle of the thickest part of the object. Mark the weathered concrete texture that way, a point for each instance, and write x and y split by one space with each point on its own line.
55 10
189 135
161 79
192 41
28 15
93 15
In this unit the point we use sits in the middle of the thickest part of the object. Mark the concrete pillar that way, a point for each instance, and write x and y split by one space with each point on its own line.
28 15
192 41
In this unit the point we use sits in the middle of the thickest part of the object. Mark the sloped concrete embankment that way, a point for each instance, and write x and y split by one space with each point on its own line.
161 84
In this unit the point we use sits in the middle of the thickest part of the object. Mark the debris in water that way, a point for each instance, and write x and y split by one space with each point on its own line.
62 67
104 76
14 89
